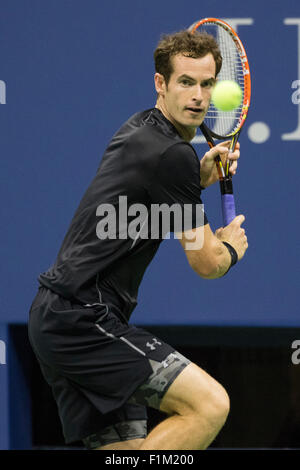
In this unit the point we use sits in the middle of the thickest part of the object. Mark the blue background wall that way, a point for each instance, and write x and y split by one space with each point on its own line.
74 71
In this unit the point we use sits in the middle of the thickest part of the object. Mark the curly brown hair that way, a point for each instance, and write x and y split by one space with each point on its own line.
188 44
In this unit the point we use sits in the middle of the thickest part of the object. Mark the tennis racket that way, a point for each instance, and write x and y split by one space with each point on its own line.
226 125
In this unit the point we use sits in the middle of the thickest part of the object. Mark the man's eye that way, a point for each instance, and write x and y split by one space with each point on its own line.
207 84
185 82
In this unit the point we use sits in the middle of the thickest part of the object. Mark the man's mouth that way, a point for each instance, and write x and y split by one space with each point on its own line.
194 109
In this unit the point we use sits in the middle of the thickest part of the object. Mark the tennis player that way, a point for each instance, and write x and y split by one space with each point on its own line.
105 372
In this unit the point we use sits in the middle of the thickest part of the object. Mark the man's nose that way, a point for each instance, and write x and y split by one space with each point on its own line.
198 94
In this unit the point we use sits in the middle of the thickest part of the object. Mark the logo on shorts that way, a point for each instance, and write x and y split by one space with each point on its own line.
152 346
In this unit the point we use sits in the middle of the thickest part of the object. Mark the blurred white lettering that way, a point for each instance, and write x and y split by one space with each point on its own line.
2 92
2 352
296 354
296 94
295 135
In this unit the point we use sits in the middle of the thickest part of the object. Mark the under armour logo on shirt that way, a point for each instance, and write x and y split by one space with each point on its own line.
152 346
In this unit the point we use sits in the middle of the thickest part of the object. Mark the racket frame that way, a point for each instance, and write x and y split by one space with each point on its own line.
246 74
225 178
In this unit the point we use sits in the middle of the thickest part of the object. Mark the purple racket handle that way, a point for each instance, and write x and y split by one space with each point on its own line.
227 198
228 208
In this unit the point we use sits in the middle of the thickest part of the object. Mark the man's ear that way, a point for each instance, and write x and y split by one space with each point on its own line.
160 84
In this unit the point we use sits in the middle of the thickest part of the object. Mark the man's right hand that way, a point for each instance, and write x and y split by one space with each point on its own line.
235 235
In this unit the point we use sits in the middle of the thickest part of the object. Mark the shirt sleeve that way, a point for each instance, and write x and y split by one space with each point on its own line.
176 184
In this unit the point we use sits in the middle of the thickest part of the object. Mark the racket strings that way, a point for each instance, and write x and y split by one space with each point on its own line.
225 122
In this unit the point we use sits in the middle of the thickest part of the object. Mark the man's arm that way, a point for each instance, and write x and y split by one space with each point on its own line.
213 259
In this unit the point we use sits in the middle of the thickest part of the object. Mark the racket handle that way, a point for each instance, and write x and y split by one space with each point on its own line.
228 208
227 197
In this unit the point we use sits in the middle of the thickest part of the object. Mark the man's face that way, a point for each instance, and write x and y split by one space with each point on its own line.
186 98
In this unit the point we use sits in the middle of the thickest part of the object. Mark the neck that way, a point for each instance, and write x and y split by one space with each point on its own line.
187 133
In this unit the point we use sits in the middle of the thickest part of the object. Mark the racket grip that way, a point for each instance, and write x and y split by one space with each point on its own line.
228 208
228 204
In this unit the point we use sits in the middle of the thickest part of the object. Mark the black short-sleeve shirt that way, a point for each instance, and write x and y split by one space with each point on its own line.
146 165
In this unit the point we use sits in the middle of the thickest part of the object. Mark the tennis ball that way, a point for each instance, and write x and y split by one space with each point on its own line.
226 95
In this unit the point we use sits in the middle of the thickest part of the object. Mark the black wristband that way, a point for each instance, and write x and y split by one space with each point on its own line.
233 254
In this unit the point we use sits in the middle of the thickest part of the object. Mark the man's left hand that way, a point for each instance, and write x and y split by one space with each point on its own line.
208 169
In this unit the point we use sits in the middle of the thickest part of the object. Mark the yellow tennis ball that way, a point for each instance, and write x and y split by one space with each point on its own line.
226 95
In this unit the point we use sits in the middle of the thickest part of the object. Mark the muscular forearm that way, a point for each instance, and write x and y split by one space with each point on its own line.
218 265
219 251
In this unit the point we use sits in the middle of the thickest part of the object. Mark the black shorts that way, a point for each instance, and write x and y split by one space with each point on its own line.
103 371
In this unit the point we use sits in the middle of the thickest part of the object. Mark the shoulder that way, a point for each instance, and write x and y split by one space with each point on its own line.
181 150
151 130
180 155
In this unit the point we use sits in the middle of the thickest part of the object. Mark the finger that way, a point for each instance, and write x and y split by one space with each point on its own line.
233 168
223 151
226 143
239 219
215 151
234 155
